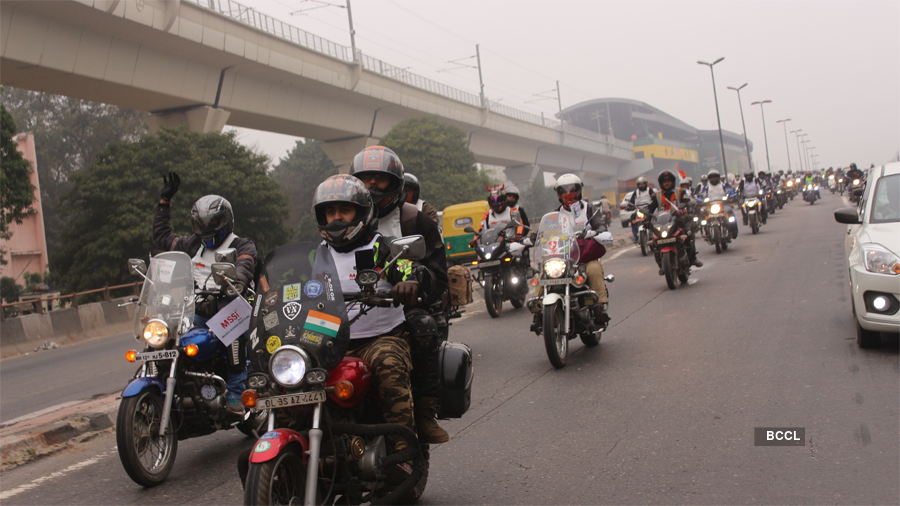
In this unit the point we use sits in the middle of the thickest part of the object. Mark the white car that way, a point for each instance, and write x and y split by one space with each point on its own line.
624 215
873 252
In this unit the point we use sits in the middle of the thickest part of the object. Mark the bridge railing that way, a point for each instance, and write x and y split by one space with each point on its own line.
417 81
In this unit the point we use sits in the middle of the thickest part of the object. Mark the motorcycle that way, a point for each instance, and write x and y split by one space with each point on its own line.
752 208
567 307
790 189
502 267
840 186
832 184
714 224
179 390
669 245
856 184
809 193
771 203
780 195
639 217
326 439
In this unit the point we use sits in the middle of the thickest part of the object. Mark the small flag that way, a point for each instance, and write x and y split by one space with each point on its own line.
681 173
323 323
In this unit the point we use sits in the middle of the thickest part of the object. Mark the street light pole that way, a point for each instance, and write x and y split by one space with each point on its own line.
803 151
784 124
765 137
480 80
718 119
352 31
799 155
743 124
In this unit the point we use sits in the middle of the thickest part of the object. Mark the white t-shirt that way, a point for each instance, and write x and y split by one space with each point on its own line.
203 260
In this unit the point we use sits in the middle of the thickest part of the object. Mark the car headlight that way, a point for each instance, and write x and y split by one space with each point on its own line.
715 208
554 268
156 333
288 365
880 260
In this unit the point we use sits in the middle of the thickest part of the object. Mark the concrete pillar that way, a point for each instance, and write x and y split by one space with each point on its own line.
341 152
203 119
523 175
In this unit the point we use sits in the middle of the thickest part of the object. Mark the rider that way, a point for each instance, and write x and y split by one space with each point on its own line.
581 212
346 218
411 190
500 213
512 200
640 198
699 188
212 221
716 189
810 180
670 198
751 187
687 184
854 173
381 170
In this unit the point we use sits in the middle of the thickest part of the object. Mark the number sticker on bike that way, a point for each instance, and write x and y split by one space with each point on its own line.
150 356
285 401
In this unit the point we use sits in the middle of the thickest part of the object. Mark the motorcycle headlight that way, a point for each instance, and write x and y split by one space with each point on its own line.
830 177
880 260
288 365
760 192
790 183
706 199
554 268
664 234
715 208
156 333
640 214
751 203
840 180
856 181
487 256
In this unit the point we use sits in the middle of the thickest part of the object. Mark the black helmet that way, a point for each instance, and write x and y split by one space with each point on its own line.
497 198
666 175
852 166
376 160
212 220
411 188
512 191
344 188
761 173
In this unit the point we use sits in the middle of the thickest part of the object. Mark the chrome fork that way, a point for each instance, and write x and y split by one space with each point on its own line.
170 394
312 469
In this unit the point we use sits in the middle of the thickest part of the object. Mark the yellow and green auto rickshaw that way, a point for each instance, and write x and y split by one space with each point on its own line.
455 219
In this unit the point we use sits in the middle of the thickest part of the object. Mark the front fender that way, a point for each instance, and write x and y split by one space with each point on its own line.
271 443
138 385
551 298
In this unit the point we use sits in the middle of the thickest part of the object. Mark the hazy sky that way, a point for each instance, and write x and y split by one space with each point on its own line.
832 67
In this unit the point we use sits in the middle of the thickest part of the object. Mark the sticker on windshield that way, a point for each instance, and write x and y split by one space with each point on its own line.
263 283
262 446
254 339
329 287
313 289
272 298
161 269
269 435
256 307
273 344
271 320
291 310
292 292
313 338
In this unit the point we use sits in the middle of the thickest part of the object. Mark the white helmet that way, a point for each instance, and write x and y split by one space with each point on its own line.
687 180
570 185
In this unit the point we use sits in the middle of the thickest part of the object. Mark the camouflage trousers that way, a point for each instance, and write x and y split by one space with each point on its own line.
389 358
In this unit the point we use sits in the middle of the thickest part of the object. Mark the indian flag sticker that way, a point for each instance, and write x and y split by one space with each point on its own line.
323 323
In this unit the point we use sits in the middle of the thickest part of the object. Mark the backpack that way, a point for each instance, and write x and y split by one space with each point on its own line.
460 281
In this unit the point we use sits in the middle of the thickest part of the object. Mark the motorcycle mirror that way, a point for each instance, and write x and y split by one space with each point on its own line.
408 248
846 215
469 230
609 278
225 275
527 242
228 255
858 192
137 267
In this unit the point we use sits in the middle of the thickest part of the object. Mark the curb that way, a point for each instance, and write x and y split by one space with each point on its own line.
30 437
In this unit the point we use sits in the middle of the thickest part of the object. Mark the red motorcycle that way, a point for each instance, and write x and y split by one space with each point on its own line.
326 440
670 245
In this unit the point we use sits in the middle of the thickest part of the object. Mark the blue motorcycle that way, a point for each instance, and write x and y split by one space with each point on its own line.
179 390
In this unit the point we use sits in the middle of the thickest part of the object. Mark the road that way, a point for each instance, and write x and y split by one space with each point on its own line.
663 411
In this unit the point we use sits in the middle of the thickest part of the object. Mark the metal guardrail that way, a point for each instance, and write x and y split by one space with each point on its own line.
38 304
278 28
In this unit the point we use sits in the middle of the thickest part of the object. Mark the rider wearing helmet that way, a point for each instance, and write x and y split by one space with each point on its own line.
569 192
752 187
676 199
381 171
704 179
411 190
512 199
716 189
854 173
346 219
212 221
687 184
641 197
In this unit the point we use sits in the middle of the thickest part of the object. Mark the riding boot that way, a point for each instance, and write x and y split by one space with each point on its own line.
426 413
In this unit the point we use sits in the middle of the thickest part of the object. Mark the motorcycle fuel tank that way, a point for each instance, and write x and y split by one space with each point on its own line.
206 341
358 373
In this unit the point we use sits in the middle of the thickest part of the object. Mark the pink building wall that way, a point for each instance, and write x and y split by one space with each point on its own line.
26 250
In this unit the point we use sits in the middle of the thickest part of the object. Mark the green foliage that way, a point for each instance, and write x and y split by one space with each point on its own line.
298 175
68 134
538 200
439 156
109 212
16 190
9 290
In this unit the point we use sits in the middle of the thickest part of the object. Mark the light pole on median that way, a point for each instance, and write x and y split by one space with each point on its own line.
718 119
784 124
765 137
800 156
803 156
743 124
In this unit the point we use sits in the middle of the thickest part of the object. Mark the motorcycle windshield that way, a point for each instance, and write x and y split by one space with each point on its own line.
556 238
169 294
299 303
663 221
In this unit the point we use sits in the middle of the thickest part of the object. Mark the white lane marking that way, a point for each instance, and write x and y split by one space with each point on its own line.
620 253
44 411
36 483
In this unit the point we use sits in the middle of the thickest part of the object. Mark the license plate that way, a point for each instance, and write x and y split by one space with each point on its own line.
561 281
286 401
666 241
488 264
751 212
150 356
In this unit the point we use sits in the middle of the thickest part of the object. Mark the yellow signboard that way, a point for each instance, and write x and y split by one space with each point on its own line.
667 152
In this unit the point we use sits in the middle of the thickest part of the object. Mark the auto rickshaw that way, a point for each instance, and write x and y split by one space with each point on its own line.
455 219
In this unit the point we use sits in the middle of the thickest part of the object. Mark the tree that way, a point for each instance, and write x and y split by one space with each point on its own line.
538 200
109 212
439 156
16 190
68 134
298 175
9 289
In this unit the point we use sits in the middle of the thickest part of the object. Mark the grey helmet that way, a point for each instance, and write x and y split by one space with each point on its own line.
212 220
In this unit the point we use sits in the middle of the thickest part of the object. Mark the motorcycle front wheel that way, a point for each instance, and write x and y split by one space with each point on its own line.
644 248
518 300
554 335
146 456
669 262
717 239
493 295
281 480
754 223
